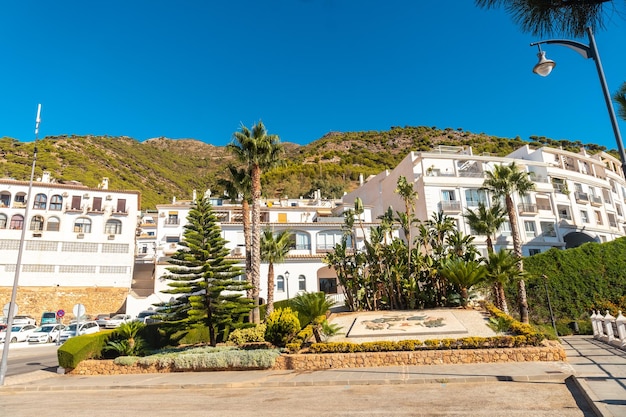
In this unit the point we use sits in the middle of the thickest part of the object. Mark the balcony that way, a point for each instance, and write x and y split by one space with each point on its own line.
526 208
451 206
565 216
172 222
560 188
596 200
581 197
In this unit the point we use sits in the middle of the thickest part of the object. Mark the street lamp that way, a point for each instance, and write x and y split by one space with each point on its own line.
287 283
545 66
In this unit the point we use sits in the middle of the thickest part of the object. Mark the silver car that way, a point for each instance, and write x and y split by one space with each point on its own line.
86 327
47 333
19 333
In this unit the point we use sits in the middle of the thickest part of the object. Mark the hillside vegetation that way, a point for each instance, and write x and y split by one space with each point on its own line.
164 168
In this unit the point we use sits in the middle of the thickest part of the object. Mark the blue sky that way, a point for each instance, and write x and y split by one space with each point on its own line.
199 68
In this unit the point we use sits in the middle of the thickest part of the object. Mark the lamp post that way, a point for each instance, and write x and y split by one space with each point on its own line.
545 66
287 283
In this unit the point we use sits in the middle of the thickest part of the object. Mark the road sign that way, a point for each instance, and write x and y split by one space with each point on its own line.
60 313
5 310
78 310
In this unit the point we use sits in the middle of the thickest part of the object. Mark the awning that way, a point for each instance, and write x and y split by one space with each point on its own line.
324 212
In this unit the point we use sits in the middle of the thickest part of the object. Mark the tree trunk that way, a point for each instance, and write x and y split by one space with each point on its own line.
270 290
255 247
503 305
517 249
245 213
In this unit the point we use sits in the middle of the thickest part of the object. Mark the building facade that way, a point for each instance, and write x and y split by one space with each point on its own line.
78 245
578 198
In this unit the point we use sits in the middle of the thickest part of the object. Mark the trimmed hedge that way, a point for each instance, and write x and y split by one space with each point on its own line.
80 348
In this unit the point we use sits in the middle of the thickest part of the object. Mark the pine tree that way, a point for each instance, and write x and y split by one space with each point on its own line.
204 280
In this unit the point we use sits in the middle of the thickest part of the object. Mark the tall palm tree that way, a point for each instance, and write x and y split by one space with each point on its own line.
239 187
274 248
485 221
258 151
503 181
405 190
568 17
620 98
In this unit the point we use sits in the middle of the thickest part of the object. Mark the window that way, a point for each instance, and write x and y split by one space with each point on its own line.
36 223
529 227
41 201
56 202
547 229
97 204
301 283
5 199
505 229
3 221
475 196
113 227
17 222
172 218
300 241
448 195
280 283
121 205
578 187
328 285
584 216
82 225
619 209
20 198
53 224
598 217
328 239
532 252
172 239
76 202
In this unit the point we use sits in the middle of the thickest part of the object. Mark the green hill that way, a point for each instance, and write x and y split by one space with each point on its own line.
163 168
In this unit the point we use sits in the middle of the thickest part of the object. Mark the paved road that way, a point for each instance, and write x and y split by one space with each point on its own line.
24 358
491 399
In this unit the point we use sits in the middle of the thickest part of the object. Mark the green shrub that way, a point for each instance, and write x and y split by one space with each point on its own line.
282 325
80 348
248 335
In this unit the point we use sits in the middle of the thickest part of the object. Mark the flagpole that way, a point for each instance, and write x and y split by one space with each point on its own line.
18 264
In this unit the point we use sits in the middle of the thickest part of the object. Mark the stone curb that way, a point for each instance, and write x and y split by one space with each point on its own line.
592 399
288 384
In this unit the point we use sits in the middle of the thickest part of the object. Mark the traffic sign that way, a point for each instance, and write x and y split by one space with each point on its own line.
60 313
5 310
78 311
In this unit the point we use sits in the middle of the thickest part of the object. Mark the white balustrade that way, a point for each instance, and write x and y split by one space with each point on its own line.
609 329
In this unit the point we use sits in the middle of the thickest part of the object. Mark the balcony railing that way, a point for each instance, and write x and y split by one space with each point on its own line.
596 200
584 197
526 208
172 222
565 216
451 206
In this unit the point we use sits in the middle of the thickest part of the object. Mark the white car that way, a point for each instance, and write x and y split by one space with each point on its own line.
86 327
117 320
47 333
19 333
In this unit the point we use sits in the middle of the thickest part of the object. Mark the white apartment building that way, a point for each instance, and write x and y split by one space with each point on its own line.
78 242
578 198
316 225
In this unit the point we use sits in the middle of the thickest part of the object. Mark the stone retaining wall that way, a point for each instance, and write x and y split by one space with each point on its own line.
553 352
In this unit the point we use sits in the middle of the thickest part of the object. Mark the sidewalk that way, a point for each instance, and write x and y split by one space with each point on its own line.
599 370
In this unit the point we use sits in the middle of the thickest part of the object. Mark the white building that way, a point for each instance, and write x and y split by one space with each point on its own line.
78 242
315 223
578 198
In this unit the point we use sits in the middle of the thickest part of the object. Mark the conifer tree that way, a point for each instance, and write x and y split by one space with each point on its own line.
203 280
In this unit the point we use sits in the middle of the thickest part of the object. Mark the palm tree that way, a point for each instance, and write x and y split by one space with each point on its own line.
464 274
409 195
620 98
568 17
274 248
502 268
312 308
258 151
502 182
239 187
486 221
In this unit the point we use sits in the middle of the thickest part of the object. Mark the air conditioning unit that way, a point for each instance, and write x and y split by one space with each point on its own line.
65 194
111 237
237 251
80 236
36 234
173 245
85 195
108 197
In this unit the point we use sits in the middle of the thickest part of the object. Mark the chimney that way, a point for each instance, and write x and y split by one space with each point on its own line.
45 176
105 183
360 179
194 196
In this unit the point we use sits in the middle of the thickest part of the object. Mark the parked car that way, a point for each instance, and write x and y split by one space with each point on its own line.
117 320
145 316
19 333
102 319
47 333
3 327
86 327
48 317
24 320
